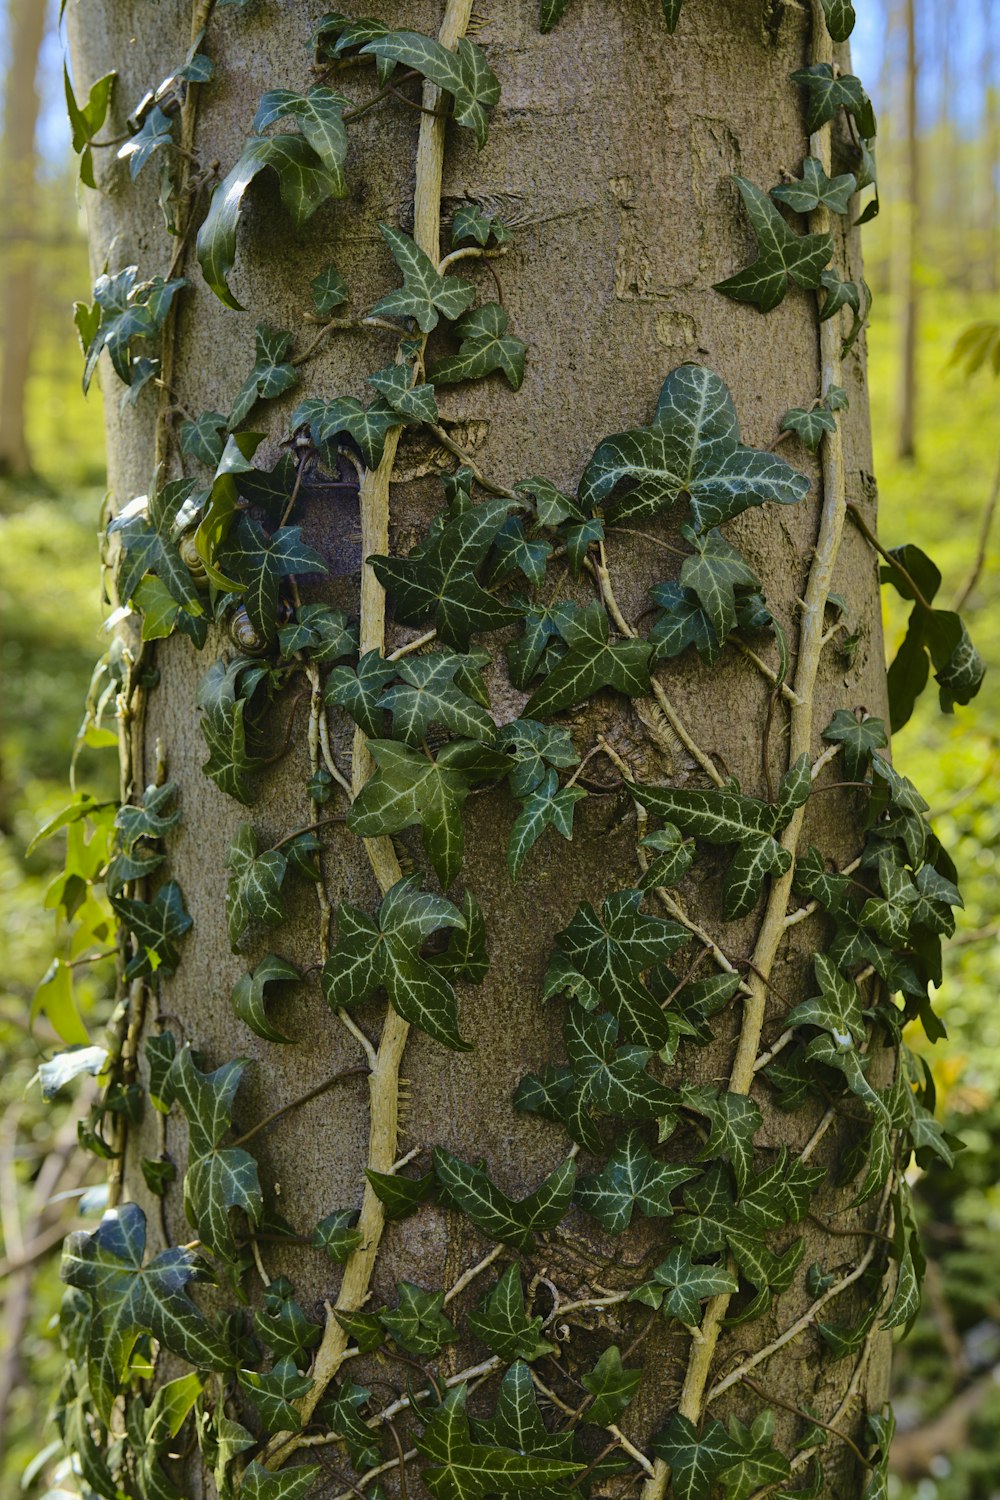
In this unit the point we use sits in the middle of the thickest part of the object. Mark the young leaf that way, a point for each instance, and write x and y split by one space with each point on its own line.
271 374
254 889
368 957
545 807
337 1235
692 450
809 425
827 91
486 346
501 1322
632 1178
734 1121
329 290
782 255
248 998
512 1222
591 663
804 195
611 1386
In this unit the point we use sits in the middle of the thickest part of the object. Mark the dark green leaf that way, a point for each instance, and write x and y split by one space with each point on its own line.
486 346
248 999
510 1221
501 1322
425 294
782 255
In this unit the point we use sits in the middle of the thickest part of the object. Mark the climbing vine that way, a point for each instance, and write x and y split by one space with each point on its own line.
217 555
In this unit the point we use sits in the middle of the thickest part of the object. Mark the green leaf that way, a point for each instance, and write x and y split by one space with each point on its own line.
632 1178
809 425
550 12
343 1416
439 580
827 91
248 998
418 1325
150 548
271 375
425 294
409 787
157 927
254 889
460 1469
697 1460
464 74
329 291
259 1483
369 957
401 1196
837 1010
782 255
726 818
485 346
318 116
304 183
365 425
337 1235
804 195
430 695
502 1324
218 1178
259 561
321 632
591 663
545 807
840 18
611 1386
273 1393
680 1286
359 691
223 698
413 402
86 120
713 575
128 1298
734 1121
283 1326
512 1222
692 450
760 1464
905 1302
203 437
470 222
535 747
825 1049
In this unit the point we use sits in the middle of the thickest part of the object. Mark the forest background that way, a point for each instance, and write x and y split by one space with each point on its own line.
933 262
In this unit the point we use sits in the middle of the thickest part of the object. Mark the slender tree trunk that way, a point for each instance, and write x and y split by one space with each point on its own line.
909 291
991 146
18 253
610 155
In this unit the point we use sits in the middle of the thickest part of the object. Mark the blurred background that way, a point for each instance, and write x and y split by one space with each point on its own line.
933 261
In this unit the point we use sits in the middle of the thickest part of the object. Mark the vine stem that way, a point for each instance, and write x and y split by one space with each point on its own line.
773 925
374 503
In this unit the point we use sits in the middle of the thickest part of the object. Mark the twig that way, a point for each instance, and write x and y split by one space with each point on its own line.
286 1109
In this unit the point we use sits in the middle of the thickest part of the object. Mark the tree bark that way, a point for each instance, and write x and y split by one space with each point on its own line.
610 155
26 27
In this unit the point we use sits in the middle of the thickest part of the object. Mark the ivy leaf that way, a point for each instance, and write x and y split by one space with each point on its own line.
318 116
337 1235
485 346
535 747
614 951
418 1325
304 183
464 74
322 632
591 663
149 547
461 1469
271 374
157 926
824 1049
713 575
837 1010
550 12
692 450
782 255
611 1386
359 691
248 995
203 437
734 1121
673 858
153 820
415 402
401 1196
283 1325
365 425
430 695
840 18
155 132
502 1324
905 1302
258 1483
425 294
805 194
697 1460
128 1298
254 889
632 1178
760 1464
368 957
411 787
726 817
602 1078
809 425
545 807
440 581
827 91
223 696
471 223
680 1286
259 562
87 119
218 1178
715 1222
273 1394
512 1222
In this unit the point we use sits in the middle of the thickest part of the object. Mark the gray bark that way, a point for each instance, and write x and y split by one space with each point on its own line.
610 153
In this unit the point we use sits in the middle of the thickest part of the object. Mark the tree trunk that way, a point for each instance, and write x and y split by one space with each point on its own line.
26 27
609 155
991 147
907 441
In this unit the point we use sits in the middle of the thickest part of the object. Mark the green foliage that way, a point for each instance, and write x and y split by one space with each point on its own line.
485 346
503 1325
425 296
464 73
463 1469
935 637
469 1189
124 310
782 255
